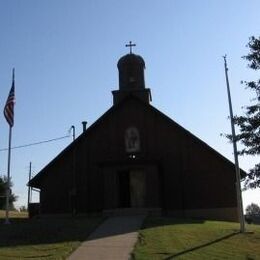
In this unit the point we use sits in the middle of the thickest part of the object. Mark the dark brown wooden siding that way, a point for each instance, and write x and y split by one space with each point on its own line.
190 175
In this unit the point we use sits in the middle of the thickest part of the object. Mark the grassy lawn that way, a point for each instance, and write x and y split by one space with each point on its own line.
13 214
168 238
42 238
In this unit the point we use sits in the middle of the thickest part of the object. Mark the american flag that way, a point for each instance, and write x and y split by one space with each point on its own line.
9 105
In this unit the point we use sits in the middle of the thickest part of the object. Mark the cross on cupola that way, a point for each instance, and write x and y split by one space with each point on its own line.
130 45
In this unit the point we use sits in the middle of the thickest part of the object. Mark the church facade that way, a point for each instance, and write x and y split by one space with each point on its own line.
134 156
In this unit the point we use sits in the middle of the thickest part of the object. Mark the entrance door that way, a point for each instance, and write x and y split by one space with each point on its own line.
131 186
137 188
131 189
124 189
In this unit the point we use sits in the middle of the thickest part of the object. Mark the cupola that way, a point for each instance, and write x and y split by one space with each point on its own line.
131 72
131 77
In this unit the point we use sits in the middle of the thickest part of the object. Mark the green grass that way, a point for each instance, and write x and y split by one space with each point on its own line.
43 238
13 214
168 238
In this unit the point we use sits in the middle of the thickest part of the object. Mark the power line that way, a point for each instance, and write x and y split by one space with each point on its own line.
36 143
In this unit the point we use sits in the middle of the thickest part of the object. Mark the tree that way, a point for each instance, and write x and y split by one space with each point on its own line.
23 209
249 124
2 193
252 210
12 197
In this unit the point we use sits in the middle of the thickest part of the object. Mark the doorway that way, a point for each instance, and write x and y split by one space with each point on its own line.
131 189
124 189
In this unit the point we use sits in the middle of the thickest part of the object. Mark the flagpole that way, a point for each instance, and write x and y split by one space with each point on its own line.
238 179
9 116
7 221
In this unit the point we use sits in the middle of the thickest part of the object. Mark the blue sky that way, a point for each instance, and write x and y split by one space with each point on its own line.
65 55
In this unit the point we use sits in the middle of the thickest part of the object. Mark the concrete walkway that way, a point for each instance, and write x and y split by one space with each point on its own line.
114 239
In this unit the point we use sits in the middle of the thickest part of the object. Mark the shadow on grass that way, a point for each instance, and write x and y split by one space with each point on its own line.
200 246
119 225
24 231
164 221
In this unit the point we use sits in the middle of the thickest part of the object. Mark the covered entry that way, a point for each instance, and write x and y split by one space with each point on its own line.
131 187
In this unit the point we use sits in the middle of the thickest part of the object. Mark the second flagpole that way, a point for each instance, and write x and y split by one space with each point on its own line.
237 169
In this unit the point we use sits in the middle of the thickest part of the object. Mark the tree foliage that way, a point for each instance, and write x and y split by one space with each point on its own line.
249 123
12 197
252 210
23 209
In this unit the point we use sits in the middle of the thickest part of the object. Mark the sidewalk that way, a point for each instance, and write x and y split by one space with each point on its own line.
114 239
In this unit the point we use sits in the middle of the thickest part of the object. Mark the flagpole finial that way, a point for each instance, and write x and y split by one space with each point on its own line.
225 62
13 73
225 58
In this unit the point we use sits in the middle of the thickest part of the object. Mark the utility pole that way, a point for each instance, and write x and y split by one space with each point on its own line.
29 188
238 179
74 191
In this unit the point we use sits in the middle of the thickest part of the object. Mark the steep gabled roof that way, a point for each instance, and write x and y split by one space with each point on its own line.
33 182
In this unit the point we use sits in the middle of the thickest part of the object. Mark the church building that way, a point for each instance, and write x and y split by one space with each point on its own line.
135 157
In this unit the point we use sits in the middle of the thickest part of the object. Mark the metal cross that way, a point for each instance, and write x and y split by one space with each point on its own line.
130 45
